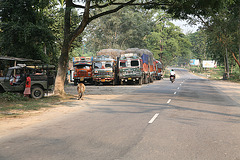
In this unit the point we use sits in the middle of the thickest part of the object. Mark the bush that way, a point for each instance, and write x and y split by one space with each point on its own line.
9 96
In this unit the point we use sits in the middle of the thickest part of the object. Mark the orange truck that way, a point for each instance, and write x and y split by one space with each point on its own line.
82 70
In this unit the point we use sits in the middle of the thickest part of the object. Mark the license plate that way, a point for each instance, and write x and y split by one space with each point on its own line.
82 79
129 78
102 80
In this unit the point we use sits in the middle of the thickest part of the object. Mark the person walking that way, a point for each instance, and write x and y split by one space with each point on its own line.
27 90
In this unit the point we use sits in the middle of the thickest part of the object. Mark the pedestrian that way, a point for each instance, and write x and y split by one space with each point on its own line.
27 90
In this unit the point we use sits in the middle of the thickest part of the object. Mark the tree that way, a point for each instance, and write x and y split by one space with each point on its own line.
168 43
95 9
24 29
223 29
124 29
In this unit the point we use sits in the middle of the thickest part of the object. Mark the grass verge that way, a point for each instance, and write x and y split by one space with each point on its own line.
215 73
15 104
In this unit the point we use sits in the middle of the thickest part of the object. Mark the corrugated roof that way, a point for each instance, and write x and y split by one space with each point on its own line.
18 59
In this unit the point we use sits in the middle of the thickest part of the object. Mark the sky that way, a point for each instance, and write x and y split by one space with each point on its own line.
186 28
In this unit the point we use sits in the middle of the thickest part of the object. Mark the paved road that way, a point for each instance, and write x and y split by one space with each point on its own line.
188 120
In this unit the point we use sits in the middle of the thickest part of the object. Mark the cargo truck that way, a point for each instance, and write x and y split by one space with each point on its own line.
82 70
130 68
146 63
105 66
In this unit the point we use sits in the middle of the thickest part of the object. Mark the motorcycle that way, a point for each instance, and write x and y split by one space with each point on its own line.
172 78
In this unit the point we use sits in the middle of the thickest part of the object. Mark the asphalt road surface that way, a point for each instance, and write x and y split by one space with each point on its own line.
187 120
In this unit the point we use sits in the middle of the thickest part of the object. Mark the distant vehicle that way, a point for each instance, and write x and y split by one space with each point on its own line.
104 70
42 79
130 69
172 78
146 63
82 70
158 70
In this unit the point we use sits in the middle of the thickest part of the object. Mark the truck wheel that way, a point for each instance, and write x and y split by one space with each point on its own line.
151 79
114 82
140 81
75 82
121 82
145 80
37 92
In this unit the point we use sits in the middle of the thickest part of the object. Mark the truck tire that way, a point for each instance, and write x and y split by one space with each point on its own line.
151 79
140 81
37 92
75 82
146 80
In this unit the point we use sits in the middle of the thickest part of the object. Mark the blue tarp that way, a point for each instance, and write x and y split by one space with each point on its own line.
145 58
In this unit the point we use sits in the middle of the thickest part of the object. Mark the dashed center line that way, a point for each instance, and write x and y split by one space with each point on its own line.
178 88
169 101
175 92
153 118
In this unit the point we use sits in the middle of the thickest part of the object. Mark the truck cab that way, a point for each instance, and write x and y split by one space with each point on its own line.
130 68
82 70
104 70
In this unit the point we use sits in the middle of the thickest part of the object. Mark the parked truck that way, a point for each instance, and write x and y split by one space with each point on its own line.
158 70
105 66
42 79
146 63
82 70
130 68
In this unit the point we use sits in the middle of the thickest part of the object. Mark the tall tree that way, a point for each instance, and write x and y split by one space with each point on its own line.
168 43
124 29
223 28
24 29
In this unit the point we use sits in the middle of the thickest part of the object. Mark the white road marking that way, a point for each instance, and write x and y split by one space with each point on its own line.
169 101
180 84
178 88
175 92
153 118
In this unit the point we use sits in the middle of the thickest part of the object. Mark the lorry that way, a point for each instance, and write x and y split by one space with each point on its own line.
130 68
158 70
105 66
42 79
146 64
82 70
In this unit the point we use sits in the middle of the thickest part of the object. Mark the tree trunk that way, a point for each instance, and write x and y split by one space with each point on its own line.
62 71
227 64
68 39
63 60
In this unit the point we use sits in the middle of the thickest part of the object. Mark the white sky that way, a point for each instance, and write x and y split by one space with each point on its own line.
186 28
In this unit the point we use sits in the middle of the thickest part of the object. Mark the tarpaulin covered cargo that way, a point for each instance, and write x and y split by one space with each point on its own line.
143 53
110 52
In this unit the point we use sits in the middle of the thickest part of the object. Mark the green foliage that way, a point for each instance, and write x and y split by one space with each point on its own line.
13 97
124 29
25 30
168 43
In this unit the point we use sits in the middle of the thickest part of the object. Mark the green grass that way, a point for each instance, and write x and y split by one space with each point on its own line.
215 73
13 104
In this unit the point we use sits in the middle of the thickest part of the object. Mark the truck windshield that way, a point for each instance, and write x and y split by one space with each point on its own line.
134 63
108 65
98 65
83 67
122 64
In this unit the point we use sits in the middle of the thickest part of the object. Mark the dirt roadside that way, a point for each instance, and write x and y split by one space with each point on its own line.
94 95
